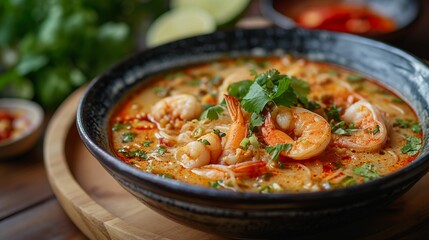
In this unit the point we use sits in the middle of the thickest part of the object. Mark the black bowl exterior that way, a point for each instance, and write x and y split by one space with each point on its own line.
251 215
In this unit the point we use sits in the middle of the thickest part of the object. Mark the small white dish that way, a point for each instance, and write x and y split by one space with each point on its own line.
32 114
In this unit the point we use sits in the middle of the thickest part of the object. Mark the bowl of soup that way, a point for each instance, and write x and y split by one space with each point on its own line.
262 133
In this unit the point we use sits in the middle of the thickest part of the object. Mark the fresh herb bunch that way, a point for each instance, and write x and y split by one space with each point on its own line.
50 47
269 88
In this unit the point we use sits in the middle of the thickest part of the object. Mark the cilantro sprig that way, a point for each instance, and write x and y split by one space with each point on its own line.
367 171
270 87
413 146
276 150
212 113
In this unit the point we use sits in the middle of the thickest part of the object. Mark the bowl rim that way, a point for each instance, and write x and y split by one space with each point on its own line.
268 11
419 166
33 112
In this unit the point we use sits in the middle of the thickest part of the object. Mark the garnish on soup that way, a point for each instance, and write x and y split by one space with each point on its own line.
287 125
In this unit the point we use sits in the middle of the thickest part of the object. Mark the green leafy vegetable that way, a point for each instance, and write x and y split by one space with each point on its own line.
276 150
161 150
147 143
276 88
376 130
333 113
414 126
128 137
343 128
256 120
212 113
367 171
219 133
216 184
133 153
354 78
204 141
239 89
397 100
413 146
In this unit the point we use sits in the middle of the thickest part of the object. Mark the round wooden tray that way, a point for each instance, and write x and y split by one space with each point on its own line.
103 210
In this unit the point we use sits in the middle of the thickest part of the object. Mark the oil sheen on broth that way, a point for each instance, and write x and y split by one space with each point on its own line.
274 124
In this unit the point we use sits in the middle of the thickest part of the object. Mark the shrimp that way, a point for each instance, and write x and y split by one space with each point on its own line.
311 132
201 152
169 110
232 152
372 131
239 75
243 169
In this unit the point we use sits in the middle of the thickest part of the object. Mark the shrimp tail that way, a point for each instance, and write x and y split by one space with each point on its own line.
234 109
273 136
250 169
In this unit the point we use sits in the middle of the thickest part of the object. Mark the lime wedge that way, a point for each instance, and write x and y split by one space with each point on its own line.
223 11
179 23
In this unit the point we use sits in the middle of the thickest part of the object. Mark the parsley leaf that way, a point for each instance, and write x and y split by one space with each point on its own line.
161 150
343 128
212 113
414 126
367 171
276 150
413 146
256 99
147 143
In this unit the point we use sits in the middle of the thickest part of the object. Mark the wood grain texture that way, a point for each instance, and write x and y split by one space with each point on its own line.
103 210
45 221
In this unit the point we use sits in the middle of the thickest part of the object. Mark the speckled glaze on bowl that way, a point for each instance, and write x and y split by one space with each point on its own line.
251 215
403 13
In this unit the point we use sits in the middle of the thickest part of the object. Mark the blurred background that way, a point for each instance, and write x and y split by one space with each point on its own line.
48 48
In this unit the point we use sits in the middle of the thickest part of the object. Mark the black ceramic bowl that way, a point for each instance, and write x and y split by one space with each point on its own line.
252 215
402 12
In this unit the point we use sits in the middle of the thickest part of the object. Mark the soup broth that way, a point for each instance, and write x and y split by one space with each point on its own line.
273 124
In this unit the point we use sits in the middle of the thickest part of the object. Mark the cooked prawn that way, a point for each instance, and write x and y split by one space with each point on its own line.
308 132
232 152
169 110
371 132
243 170
201 152
238 75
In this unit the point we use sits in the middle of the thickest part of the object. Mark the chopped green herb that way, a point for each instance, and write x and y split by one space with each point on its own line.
333 112
280 164
140 154
161 150
273 87
413 146
172 76
256 120
194 82
337 165
414 126
313 105
204 141
219 133
343 128
161 91
212 113
354 78
376 130
332 72
198 132
216 184
265 177
276 150
121 126
128 137
239 89
147 143
264 189
397 100
252 140
165 175
245 143
348 181
367 171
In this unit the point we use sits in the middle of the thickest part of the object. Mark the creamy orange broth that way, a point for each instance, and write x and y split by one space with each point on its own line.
151 145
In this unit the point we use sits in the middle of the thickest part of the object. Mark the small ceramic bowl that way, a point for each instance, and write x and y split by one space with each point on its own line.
29 117
254 215
403 12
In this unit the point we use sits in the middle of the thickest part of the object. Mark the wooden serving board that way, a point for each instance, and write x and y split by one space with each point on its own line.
103 210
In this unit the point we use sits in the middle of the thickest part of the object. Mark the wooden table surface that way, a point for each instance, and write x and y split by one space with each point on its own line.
29 209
